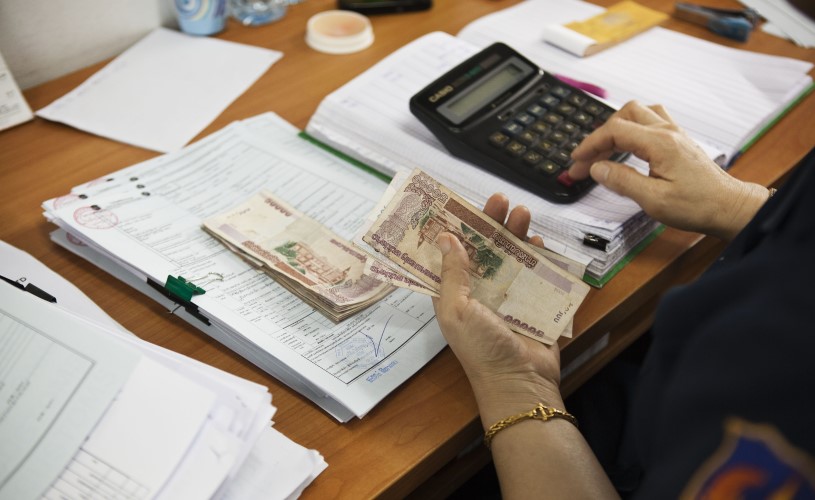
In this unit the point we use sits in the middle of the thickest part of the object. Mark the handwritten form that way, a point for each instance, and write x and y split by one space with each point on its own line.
177 428
163 91
149 221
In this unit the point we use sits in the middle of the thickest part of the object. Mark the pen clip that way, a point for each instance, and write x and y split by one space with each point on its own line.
32 289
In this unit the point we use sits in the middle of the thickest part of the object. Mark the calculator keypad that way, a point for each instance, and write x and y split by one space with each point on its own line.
540 135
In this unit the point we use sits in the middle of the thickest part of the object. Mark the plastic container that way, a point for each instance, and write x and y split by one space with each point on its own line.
339 32
257 12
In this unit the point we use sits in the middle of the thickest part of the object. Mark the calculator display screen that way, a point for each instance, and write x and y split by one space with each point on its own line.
483 92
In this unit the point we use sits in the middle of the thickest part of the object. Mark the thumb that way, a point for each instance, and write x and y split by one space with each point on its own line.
621 179
455 278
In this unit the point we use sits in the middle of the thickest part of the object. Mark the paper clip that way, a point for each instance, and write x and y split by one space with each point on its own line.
182 288
735 24
181 291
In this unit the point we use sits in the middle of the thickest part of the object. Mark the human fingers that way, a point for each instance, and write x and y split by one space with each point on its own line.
537 241
616 135
518 221
645 115
624 180
497 207
454 291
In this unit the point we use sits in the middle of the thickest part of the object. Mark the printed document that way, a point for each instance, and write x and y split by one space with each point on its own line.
148 219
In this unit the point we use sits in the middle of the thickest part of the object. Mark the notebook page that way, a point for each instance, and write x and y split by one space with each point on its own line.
369 118
718 94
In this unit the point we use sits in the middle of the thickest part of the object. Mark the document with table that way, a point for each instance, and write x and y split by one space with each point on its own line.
143 223
91 410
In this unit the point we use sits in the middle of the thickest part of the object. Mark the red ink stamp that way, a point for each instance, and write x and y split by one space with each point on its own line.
93 218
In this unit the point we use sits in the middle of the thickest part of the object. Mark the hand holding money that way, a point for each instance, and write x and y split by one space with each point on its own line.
529 293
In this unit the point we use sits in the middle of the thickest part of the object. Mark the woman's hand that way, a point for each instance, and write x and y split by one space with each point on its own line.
684 188
509 373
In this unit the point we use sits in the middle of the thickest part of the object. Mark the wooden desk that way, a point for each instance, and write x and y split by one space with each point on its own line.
414 438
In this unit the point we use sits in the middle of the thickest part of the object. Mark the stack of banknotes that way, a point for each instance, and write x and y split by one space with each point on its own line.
301 254
532 290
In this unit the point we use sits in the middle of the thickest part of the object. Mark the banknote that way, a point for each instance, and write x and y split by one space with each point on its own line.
531 294
304 256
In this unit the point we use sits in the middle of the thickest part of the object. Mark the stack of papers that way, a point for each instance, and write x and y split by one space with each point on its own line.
90 410
144 224
723 97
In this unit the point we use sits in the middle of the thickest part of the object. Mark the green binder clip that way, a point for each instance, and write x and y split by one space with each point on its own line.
182 288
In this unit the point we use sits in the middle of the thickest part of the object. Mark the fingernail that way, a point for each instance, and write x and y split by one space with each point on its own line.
599 171
444 244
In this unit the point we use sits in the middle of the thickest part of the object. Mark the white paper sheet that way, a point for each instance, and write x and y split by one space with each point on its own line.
57 378
13 106
163 91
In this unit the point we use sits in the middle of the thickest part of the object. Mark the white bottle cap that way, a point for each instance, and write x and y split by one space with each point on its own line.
339 32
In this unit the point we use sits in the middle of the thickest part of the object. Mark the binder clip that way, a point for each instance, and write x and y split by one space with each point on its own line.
181 292
735 24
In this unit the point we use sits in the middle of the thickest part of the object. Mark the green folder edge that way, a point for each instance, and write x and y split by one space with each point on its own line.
595 282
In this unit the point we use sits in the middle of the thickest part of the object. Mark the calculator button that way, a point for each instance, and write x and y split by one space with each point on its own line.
545 147
525 119
559 91
577 100
552 118
528 137
558 137
498 139
549 100
541 128
565 108
581 136
593 108
583 119
548 167
533 158
564 179
569 146
605 115
512 128
515 148
536 110
562 158
568 128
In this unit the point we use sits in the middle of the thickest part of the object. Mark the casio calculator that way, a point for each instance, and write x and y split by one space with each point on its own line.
499 111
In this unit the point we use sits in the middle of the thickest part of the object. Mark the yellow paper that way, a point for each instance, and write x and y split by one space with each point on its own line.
619 22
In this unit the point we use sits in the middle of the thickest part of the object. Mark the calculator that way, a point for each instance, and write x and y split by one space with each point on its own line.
500 112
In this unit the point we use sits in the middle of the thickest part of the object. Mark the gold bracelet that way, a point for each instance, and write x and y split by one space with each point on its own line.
540 412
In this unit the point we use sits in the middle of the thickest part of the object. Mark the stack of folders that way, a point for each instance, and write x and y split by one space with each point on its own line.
723 97
144 225
91 411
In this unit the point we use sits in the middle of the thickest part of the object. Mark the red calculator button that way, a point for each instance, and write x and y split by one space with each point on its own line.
564 179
